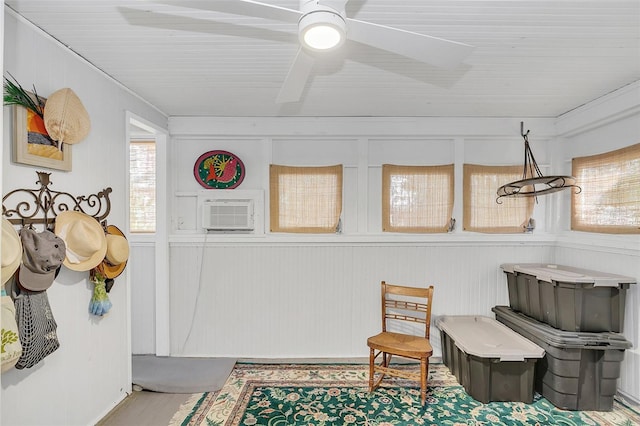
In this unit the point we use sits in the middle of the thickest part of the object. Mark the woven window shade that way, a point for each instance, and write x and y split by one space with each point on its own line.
417 199
305 199
142 186
610 197
481 212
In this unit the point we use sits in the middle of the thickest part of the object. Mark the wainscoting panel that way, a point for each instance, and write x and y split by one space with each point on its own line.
143 312
322 300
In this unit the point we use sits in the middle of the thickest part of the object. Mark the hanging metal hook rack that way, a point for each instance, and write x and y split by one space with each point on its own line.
533 182
42 205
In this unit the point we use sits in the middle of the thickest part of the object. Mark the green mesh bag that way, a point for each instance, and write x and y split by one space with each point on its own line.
36 326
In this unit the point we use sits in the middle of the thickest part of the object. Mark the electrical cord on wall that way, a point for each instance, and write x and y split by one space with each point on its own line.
195 307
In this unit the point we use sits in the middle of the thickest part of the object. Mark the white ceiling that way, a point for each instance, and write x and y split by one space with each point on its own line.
531 58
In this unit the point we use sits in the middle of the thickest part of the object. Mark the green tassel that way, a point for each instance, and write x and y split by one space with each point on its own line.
14 94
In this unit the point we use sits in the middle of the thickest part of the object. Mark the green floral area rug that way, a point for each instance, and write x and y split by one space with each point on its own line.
337 394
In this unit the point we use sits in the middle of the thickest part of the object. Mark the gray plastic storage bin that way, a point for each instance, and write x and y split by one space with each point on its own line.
567 298
491 362
579 371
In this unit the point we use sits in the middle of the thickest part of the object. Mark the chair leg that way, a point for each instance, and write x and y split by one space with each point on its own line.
424 371
373 384
372 360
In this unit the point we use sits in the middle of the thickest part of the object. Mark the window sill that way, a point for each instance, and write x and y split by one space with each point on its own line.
453 239
621 242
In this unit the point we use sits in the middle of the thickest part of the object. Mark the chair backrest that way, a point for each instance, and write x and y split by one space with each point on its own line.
406 305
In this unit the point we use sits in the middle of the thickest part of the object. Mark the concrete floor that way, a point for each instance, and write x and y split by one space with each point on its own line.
145 408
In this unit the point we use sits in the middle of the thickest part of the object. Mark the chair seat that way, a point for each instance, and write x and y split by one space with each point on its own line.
401 344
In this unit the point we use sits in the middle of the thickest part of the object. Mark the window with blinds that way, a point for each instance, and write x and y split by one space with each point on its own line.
417 199
481 211
142 186
610 197
305 199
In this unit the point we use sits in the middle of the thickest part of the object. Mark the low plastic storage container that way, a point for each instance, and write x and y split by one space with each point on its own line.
491 362
579 371
571 299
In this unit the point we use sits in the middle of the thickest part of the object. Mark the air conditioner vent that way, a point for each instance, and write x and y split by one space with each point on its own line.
228 215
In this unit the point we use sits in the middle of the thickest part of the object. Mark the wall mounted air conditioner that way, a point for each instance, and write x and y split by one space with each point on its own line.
228 215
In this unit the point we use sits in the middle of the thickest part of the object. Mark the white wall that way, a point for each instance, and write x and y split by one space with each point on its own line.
609 123
279 295
362 145
90 372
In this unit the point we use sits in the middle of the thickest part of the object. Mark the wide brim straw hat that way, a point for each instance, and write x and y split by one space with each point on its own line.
117 252
65 118
85 240
11 250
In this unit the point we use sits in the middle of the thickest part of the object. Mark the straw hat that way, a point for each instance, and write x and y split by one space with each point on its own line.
65 118
84 238
117 252
11 250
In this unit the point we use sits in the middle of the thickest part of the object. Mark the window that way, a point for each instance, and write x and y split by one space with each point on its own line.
610 197
481 211
142 186
417 198
305 199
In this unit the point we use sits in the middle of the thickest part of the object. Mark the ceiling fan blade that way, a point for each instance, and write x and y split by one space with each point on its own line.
431 50
165 21
296 80
406 67
239 7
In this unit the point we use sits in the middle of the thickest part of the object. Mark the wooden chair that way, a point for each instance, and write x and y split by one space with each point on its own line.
408 308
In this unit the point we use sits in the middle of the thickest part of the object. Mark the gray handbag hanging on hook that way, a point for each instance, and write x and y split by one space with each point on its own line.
36 325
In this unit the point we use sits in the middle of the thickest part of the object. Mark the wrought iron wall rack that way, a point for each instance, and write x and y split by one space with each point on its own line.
42 205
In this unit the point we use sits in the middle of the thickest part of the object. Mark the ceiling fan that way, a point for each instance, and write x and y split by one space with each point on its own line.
323 27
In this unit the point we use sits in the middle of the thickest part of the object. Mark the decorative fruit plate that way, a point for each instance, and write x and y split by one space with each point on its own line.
219 170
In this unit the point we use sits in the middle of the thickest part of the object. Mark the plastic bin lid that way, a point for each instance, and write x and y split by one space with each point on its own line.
508 267
567 274
487 338
559 338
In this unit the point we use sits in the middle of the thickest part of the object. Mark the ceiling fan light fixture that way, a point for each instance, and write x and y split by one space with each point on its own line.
322 30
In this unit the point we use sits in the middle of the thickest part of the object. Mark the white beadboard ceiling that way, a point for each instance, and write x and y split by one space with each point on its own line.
531 58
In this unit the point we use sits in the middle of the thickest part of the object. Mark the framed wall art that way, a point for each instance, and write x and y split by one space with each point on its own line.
32 144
